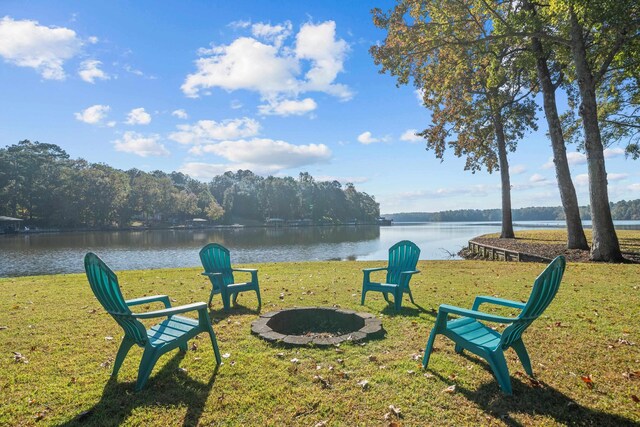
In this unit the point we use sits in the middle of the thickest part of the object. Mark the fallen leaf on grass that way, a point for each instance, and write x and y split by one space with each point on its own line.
395 411
19 358
320 424
364 384
323 382
631 375
226 355
587 380
373 358
2 328
194 347
182 370
450 389
635 398
428 375
294 360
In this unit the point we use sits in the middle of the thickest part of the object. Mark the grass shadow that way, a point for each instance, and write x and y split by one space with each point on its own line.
534 398
408 311
168 387
237 309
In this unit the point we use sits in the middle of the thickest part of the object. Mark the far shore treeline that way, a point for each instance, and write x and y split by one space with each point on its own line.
42 185
622 210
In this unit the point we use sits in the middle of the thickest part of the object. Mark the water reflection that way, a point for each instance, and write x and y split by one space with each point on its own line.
22 255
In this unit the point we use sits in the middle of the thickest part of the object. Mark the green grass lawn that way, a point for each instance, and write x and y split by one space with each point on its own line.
591 329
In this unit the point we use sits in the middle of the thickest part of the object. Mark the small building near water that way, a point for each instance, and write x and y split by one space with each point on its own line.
9 225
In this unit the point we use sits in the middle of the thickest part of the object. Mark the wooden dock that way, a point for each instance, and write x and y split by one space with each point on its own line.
500 254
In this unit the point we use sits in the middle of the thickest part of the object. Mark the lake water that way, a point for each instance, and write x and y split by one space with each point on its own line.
53 253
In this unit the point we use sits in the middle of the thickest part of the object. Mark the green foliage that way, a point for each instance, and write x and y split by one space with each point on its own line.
622 210
40 183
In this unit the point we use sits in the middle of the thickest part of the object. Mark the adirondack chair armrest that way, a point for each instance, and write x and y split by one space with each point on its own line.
206 273
369 270
253 271
171 311
145 300
410 272
497 301
450 309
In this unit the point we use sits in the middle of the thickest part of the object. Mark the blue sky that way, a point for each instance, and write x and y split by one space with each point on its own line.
276 87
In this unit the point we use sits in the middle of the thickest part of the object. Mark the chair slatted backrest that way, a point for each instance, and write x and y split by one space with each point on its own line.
544 290
403 256
216 259
104 284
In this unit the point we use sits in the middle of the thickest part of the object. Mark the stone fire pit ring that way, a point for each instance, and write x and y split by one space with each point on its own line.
320 326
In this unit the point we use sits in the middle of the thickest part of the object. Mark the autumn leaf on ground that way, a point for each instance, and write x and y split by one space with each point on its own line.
19 358
194 347
631 375
364 384
450 389
395 411
2 328
373 358
587 380
323 382
635 398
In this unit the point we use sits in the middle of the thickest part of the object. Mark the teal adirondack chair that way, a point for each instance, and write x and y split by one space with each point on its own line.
469 334
403 257
217 267
171 333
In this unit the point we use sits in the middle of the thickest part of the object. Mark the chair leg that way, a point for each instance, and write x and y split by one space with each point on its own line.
500 370
410 296
429 347
235 298
225 299
211 296
149 359
183 347
459 349
521 351
397 299
364 294
125 346
258 295
214 343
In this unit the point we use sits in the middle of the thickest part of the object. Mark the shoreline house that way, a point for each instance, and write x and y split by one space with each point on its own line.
9 225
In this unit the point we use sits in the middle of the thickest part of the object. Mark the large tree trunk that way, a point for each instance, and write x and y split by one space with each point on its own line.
605 246
575 232
507 221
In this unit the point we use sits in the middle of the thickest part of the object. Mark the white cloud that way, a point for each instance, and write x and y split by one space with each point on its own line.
613 152
235 104
26 43
573 158
517 169
343 179
209 130
203 171
419 96
237 25
318 44
93 115
89 71
181 114
138 144
272 33
270 67
288 107
582 179
410 136
617 176
536 177
634 187
138 116
367 138
263 155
